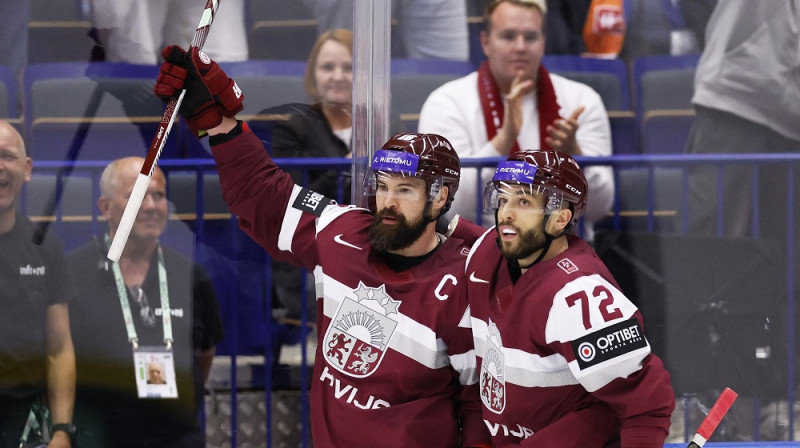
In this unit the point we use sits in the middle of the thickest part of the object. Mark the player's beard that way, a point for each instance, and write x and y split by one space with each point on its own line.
526 244
390 237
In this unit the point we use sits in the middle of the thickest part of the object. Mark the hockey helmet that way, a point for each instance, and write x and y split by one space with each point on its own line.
552 173
427 156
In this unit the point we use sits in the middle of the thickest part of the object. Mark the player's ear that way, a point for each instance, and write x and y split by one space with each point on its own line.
559 221
103 203
441 199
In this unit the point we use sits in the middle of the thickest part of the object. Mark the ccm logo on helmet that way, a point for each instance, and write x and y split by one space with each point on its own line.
574 190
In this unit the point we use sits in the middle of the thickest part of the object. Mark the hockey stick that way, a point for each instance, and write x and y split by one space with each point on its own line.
157 145
715 415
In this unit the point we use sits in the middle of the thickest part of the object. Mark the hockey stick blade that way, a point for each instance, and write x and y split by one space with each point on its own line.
715 415
157 145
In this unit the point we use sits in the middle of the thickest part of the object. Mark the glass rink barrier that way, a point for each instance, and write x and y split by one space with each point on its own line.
705 246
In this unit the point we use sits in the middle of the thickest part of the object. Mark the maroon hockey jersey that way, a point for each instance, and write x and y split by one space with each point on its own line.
562 356
394 363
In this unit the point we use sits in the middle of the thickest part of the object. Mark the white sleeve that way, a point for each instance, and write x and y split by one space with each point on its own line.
598 324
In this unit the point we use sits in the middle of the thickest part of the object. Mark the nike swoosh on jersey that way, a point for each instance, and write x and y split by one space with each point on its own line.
338 239
472 278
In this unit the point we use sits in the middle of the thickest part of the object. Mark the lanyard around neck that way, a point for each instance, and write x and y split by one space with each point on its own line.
122 291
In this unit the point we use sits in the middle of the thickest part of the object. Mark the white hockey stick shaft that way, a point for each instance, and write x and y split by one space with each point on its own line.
139 191
157 145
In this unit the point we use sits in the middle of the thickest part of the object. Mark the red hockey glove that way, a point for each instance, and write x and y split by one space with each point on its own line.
210 93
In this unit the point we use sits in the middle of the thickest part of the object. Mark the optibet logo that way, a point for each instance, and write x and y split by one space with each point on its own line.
609 343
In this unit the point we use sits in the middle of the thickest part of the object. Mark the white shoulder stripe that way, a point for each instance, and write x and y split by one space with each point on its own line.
475 246
526 369
529 370
332 212
291 218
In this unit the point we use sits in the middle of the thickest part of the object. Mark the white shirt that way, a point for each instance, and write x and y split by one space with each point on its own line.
454 112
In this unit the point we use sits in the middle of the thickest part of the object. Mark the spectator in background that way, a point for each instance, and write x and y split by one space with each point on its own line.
747 99
36 351
662 27
696 14
564 23
429 29
604 30
323 128
149 278
134 31
320 129
511 101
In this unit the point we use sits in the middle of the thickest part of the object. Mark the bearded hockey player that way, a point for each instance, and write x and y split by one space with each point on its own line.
562 356
394 364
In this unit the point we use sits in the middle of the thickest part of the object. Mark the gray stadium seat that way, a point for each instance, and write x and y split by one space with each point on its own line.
663 88
268 83
107 108
635 189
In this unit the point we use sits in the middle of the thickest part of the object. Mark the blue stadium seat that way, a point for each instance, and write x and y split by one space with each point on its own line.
623 132
237 266
666 131
8 94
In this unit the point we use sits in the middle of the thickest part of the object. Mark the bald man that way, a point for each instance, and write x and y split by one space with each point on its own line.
114 406
36 352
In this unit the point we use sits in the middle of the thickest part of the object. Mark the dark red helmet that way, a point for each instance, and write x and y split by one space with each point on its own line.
428 156
547 171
